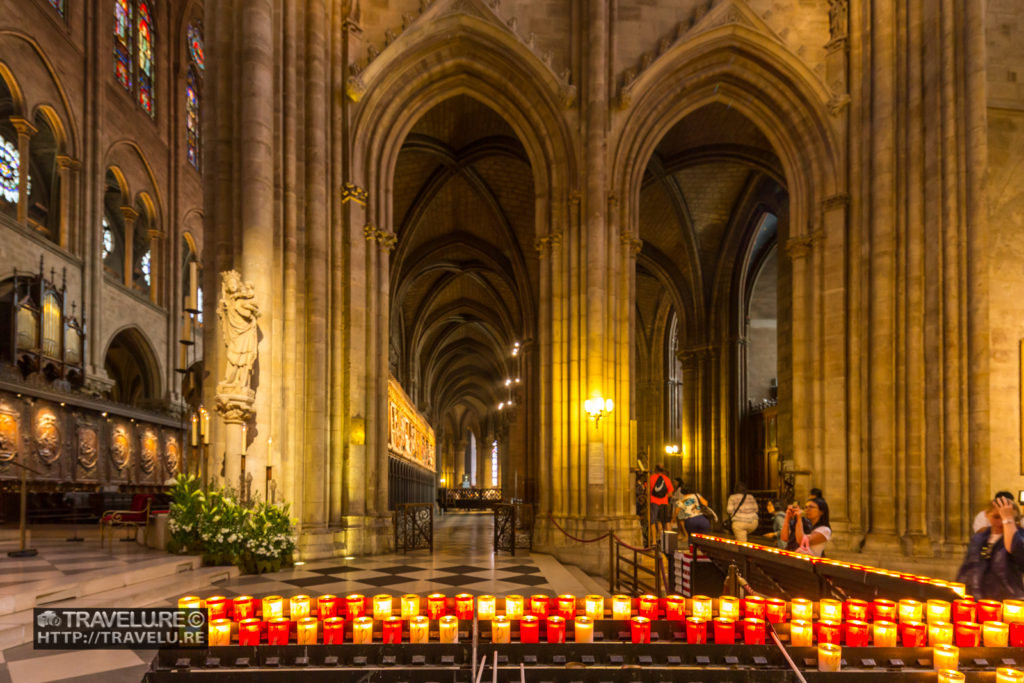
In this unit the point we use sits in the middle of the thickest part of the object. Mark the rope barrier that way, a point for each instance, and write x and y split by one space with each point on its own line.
574 538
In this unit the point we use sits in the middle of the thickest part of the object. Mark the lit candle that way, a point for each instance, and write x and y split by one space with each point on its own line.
583 630
830 657
449 629
753 631
514 606
989 610
463 606
190 602
910 610
675 607
594 607
217 606
855 633
529 629
435 605
725 631
249 631
965 610
829 632
1017 634
801 608
243 608
195 430
566 607
885 610
556 629
485 607
946 657
392 629
419 629
801 633
362 630
940 633
539 605
950 676
501 630
913 633
647 606
298 607
410 606
883 634
995 634
1008 675
938 610
696 630
220 632
355 606
244 432
640 629
728 607
622 607
381 607
327 606
334 630
967 634
273 607
855 610
830 610
702 607
277 630
1013 611
775 610
205 427
306 629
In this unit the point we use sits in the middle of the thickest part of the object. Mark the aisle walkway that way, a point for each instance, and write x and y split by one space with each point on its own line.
464 562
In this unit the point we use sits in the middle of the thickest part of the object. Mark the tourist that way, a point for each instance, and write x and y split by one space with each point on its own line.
809 527
776 509
981 519
674 503
994 565
741 511
661 489
688 510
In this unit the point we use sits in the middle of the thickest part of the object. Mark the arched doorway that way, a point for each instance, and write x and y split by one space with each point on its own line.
131 364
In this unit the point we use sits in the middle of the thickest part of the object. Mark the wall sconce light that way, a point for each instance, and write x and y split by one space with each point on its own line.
597 408
671 449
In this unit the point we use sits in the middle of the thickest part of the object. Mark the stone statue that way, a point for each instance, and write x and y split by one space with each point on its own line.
837 18
238 312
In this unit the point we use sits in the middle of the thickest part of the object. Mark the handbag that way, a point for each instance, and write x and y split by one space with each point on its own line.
727 522
711 515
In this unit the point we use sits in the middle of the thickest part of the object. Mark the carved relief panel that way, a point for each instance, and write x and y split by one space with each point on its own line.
147 461
88 443
47 437
9 422
120 449
173 456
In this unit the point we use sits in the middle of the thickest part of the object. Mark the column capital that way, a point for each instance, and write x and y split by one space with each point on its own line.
635 244
67 163
130 214
542 242
387 240
350 192
23 126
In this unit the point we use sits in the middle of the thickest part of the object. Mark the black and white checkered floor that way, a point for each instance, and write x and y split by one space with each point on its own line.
463 562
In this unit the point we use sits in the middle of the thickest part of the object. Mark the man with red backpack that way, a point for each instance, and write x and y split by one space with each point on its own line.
660 487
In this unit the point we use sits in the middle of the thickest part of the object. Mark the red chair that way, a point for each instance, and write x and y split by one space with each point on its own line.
136 517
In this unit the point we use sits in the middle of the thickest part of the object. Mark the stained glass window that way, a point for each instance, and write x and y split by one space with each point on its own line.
192 119
108 238
146 266
9 165
123 43
58 5
195 46
199 305
144 50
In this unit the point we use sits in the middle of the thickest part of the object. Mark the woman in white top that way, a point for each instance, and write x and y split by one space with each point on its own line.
815 511
741 509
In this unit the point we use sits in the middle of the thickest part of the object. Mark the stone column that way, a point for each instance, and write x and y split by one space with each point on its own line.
67 172
25 132
130 216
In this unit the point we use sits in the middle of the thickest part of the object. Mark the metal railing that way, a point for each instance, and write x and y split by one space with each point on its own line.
414 526
636 571
513 527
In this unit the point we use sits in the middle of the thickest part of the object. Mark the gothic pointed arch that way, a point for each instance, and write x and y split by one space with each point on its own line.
130 361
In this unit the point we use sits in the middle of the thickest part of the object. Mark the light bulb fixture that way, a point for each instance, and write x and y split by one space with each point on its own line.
597 408
671 449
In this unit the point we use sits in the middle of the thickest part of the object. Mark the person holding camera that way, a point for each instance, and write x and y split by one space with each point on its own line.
808 526
993 568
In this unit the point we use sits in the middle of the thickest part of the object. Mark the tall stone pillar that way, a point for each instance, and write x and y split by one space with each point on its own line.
67 174
25 132
130 217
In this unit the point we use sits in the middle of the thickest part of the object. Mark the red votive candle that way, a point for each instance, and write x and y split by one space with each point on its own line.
392 630
567 607
435 605
965 610
753 631
754 606
647 606
725 631
217 606
855 632
334 630
696 630
675 607
884 610
989 610
243 607
1017 634
829 632
249 631
277 631
640 629
529 629
355 606
464 606
556 629
327 606
539 606
967 634
775 610
855 610
914 634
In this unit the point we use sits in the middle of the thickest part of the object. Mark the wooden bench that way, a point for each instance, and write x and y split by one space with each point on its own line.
136 517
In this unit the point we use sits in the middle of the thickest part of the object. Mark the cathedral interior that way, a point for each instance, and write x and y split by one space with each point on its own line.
381 250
